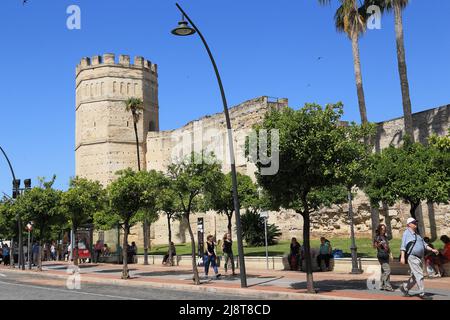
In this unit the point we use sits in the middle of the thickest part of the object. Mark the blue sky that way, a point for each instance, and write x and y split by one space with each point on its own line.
262 48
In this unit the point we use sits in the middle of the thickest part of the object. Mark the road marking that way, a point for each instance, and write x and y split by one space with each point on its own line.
68 291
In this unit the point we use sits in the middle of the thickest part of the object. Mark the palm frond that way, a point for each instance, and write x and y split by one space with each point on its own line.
136 106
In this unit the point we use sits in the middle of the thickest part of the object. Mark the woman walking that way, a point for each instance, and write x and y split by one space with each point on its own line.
211 256
383 254
228 252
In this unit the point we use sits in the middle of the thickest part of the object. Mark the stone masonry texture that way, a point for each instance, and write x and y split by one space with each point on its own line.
105 143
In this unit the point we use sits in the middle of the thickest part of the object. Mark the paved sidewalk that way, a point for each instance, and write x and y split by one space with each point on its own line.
261 284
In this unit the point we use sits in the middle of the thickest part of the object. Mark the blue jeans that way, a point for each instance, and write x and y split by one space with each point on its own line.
210 260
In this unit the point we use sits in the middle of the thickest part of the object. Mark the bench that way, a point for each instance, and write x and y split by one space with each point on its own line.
110 259
315 266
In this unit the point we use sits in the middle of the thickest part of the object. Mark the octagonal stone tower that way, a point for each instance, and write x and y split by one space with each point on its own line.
105 140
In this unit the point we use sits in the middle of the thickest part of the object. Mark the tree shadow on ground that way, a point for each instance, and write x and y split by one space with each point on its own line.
163 273
265 282
58 266
113 270
337 285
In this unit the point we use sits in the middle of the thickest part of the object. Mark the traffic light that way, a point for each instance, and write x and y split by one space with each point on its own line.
27 183
16 184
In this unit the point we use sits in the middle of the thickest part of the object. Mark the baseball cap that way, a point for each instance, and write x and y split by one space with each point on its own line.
410 220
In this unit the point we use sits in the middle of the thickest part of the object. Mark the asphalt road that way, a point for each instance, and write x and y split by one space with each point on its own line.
25 287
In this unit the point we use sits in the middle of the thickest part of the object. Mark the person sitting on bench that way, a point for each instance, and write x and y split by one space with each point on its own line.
174 253
324 254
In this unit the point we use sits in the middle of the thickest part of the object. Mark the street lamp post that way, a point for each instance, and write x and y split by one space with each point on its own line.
16 185
29 228
265 215
353 248
184 29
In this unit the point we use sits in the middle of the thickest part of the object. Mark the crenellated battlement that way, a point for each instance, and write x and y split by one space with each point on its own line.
109 59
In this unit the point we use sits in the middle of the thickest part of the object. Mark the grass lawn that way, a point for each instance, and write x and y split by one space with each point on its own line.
365 249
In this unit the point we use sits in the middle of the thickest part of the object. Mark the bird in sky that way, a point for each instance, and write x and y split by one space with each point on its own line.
25 2
319 58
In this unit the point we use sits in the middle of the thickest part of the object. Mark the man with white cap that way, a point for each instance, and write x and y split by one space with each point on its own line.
412 251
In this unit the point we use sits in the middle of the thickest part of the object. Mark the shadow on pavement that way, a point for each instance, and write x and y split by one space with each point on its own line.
336 285
112 270
163 273
264 282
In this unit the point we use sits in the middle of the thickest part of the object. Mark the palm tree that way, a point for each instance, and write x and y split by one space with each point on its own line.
136 106
351 20
397 6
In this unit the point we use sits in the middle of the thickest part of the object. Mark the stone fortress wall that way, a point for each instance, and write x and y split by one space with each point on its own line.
328 221
105 143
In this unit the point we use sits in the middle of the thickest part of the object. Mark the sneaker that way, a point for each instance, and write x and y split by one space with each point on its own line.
404 291
389 289
423 296
218 276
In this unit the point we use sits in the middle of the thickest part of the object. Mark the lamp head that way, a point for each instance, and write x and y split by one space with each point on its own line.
183 29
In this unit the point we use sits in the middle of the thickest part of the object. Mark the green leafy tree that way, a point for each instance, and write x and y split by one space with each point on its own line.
8 225
191 178
309 141
80 202
125 197
42 205
221 199
153 182
170 204
407 173
354 154
253 230
441 147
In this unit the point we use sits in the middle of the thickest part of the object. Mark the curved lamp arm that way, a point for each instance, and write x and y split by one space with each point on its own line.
9 163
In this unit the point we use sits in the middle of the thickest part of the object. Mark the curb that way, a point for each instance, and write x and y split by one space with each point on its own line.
250 293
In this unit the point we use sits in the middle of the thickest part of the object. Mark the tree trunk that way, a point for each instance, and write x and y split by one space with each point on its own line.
20 256
125 273
230 217
169 229
374 218
40 256
358 78
194 254
11 255
402 69
145 229
353 248
137 145
307 246
75 247
413 213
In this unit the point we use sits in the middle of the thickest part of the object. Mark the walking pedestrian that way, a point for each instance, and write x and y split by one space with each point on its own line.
412 252
381 242
6 255
53 252
227 248
210 256
35 252
294 257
